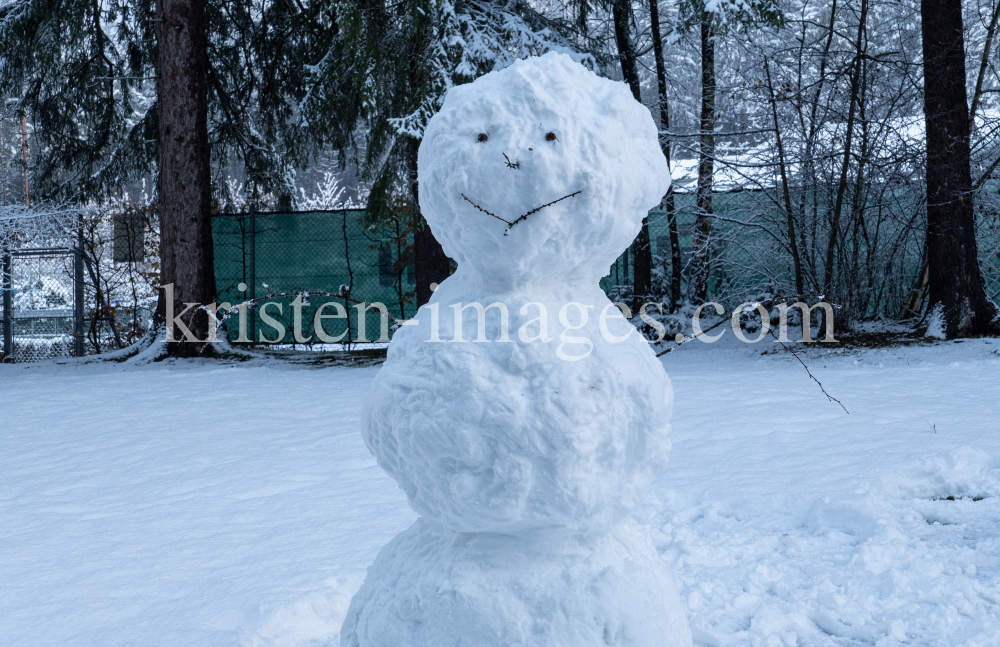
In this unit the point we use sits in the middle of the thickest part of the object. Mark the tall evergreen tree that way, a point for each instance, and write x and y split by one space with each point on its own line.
119 89
88 93
84 73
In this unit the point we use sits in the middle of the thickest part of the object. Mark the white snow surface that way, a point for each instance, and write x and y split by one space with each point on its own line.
188 503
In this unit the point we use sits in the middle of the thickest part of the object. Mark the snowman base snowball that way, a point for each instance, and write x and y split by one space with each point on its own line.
430 586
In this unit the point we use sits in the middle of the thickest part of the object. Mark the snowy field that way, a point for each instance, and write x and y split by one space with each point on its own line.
199 504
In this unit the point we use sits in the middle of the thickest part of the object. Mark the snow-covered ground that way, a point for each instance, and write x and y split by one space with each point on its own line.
207 504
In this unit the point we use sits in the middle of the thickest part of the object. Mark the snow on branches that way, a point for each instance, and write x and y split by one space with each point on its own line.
472 38
22 226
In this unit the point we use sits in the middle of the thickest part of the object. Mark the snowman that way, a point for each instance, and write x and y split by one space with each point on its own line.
521 414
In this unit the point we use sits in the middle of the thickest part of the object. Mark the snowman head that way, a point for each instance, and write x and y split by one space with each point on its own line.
541 172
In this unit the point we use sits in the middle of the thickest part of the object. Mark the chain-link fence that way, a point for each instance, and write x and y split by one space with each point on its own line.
76 281
744 259
988 237
749 254
42 307
334 252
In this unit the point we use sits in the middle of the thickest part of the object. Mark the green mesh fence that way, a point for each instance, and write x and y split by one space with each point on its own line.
321 251
725 257
315 251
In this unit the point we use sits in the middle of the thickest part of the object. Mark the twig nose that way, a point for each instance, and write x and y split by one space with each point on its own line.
510 164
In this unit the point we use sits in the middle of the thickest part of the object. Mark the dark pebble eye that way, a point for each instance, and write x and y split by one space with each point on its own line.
483 137
551 137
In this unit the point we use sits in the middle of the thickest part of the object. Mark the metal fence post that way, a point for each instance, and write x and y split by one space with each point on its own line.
78 304
251 314
8 306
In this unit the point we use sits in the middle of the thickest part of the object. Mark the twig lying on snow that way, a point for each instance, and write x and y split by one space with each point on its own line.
688 338
792 351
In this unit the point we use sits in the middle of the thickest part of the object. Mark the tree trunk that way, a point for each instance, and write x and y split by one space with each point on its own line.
430 264
785 193
831 248
642 261
24 160
626 52
810 181
984 64
668 200
858 296
956 285
185 193
698 282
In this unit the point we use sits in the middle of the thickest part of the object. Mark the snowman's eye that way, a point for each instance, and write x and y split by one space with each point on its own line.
551 137
483 137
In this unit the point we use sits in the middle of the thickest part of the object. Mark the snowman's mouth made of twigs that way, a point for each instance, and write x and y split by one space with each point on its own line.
510 223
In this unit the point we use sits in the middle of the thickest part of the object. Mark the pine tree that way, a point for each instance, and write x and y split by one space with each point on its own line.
84 73
87 94
119 89
285 82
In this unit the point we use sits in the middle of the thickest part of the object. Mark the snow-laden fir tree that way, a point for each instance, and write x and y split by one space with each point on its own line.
286 81
84 74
